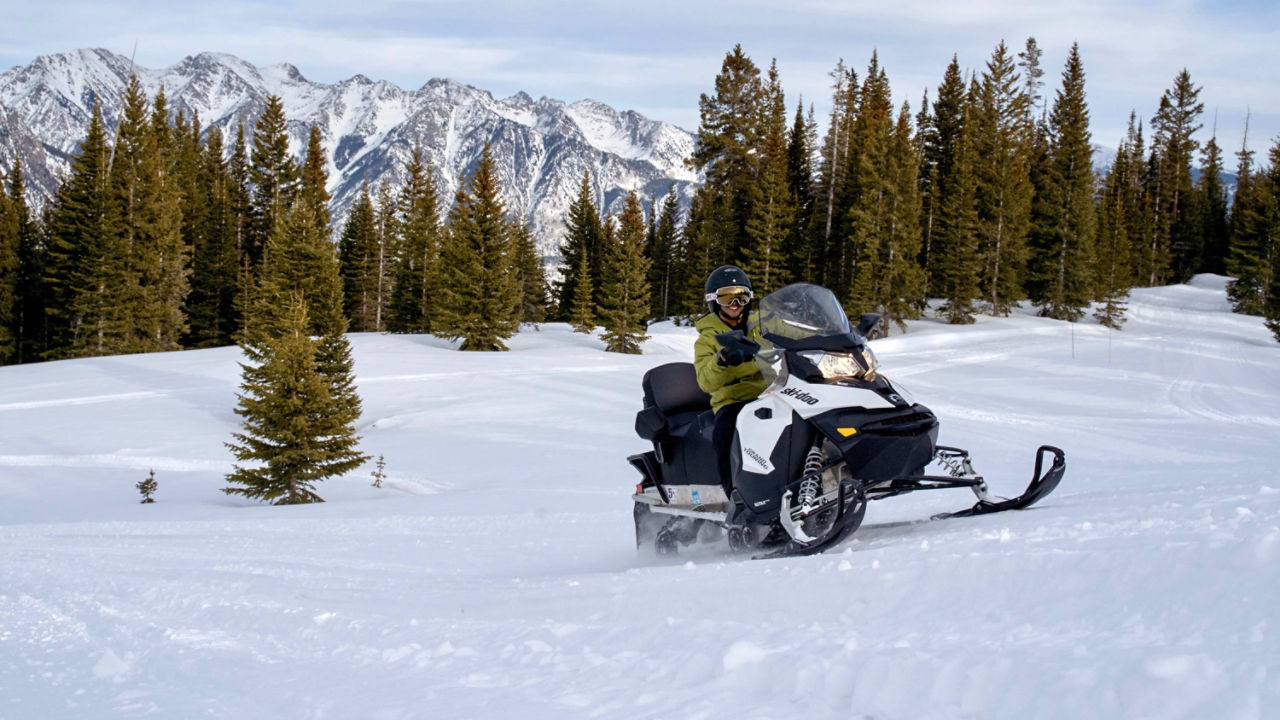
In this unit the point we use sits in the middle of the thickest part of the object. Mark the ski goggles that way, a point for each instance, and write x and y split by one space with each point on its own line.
731 295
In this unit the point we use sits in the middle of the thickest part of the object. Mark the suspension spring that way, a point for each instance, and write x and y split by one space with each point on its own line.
812 480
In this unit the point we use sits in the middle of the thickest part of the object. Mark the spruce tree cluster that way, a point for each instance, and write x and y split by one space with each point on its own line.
982 197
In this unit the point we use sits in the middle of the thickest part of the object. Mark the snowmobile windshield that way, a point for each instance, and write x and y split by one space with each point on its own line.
801 311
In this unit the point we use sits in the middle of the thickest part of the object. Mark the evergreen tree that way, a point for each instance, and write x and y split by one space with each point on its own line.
1067 258
1114 243
479 265
1255 244
939 143
698 259
955 265
582 315
1177 244
1211 211
388 230
21 262
29 302
900 287
582 237
312 180
530 279
416 278
729 150
772 218
1003 193
624 305
216 258
1243 261
148 186
869 186
295 433
664 257
832 170
8 278
85 273
273 175
801 140
358 252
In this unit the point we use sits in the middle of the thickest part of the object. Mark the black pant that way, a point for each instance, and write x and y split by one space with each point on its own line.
726 421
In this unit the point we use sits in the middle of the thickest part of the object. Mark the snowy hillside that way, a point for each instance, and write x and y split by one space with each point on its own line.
369 129
496 575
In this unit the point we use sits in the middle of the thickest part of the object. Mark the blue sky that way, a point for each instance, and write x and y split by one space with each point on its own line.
657 57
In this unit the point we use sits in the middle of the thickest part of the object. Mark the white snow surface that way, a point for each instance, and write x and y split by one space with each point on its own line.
495 574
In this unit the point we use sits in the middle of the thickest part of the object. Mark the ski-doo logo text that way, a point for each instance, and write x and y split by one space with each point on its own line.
801 395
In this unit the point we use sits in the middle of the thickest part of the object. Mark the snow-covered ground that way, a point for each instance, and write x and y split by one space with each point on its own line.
495 575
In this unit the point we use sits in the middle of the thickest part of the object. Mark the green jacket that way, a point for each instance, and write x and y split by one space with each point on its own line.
726 385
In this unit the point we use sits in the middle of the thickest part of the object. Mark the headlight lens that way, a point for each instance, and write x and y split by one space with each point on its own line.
859 366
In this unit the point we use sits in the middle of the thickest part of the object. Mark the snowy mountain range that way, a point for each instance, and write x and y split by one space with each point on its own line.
541 147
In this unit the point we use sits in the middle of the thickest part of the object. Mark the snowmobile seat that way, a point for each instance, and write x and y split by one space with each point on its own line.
672 404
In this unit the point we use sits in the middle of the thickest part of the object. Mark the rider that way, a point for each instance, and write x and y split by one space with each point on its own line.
725 371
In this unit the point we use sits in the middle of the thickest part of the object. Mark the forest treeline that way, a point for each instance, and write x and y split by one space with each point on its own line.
163 236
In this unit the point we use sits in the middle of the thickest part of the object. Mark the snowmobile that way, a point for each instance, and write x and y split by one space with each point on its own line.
829 434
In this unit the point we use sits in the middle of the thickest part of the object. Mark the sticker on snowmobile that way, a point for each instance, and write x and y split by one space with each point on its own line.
759 460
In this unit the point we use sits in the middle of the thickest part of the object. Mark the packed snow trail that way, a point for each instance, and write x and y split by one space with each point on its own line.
496 575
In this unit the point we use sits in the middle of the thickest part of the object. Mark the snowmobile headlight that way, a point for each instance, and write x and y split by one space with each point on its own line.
859 366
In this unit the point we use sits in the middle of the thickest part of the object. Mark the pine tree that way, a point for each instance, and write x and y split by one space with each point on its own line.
939 142
801 140
1004 189
1244 259
295 433
216 257
773 215
149 190
416 277
581 239
1067 258
1255 249
729 150
312 179
530 279
479 265
625 296
867 193
1267 225
86 269
358 251
29 302
1211 211
900 288
9 229
832 169
273 175
955 264
147 487
664 255
388 230
582 312
1114 242
1176 243
698 259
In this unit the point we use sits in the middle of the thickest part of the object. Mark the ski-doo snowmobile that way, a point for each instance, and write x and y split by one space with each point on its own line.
828 435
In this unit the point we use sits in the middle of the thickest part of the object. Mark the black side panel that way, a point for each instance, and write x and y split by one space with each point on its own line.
886 444
762 493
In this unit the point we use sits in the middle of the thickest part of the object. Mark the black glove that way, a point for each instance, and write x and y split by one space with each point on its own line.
738 348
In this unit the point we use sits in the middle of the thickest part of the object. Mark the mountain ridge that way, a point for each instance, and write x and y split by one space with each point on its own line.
369 128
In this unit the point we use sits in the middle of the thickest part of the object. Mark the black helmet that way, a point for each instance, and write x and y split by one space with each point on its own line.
727 278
